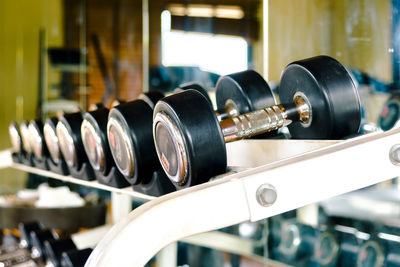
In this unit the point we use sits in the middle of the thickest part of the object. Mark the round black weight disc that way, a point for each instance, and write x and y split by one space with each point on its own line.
196 132
54 249
247 89
50 137
130 137
38 144
332 93
15 137
25 137
197 87
94 137
72 123
151 98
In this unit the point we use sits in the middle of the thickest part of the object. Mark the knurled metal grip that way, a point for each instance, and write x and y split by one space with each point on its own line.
253 123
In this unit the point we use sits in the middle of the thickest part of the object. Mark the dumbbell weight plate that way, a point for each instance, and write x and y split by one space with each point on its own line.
247 90
326 84
191 162
25 136
25 229
38 238
55 248
129 132
197 87
38 144
50 136
70 141
151 97
93 132
15 137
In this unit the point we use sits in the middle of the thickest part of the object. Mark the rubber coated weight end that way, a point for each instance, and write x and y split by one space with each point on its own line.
15 137
94 137
188 139
198 88
70 140
50 137
129 132
332 93
55 248
38 143
152 97
247 90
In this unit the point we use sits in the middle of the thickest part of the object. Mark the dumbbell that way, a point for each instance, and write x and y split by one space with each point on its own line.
55 250
15 138
68 132
70 141
38 238
129 125
320 101
235 95
51 139
130 139
38 144
25 137
130 136
94 134
25 229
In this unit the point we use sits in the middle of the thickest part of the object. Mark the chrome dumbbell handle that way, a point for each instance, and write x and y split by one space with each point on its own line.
267 119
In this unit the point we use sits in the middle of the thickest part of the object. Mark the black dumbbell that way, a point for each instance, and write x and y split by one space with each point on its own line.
15 137
130 135
25 229
55 248
94 134
129 129
38 238
68 131
51 139
25 137
235 95
130 138
38 144
320 100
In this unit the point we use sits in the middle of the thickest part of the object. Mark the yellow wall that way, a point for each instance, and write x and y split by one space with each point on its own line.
20 21
356 32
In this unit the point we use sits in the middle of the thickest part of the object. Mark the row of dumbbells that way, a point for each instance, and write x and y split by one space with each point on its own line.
40 246
337 244
159 144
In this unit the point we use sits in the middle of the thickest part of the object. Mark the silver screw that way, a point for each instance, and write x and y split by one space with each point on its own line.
266 195
394 154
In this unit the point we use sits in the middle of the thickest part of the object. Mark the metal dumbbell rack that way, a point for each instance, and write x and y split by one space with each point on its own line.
275 176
